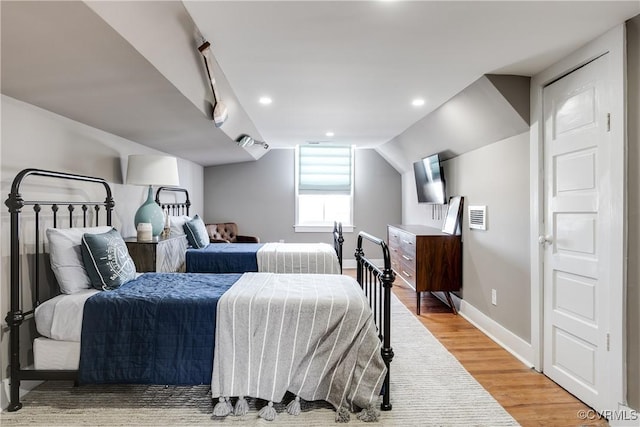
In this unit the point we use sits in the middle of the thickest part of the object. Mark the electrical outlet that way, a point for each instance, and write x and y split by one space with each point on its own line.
494 297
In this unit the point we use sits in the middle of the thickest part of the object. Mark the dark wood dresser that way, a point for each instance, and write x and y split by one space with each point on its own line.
426 259
166 255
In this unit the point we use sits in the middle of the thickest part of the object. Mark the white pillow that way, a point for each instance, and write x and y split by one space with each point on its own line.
176 224
66 257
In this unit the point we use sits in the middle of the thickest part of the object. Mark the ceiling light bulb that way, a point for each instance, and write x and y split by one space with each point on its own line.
329 134
265 100
418 102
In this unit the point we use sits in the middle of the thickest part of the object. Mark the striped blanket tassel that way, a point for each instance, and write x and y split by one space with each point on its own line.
268 412
293 407
368 414
242 407
222 407
342 415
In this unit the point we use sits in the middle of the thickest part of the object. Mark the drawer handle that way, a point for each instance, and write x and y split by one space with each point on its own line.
405 273
409 242
407 258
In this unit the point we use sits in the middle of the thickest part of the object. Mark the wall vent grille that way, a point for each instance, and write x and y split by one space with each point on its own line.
478 217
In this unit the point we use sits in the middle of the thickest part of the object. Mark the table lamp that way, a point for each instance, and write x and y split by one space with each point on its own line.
151 169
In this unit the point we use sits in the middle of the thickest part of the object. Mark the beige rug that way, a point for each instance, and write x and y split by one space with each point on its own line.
429 387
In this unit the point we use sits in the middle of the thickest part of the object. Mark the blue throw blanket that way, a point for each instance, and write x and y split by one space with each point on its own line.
157 329
223 258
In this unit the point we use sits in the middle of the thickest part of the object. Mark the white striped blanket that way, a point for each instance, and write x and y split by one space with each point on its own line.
317 258
310 334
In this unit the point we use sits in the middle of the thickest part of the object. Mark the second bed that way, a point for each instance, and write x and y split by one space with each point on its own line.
305 258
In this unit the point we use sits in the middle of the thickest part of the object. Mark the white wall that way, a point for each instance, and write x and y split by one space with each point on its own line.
35 138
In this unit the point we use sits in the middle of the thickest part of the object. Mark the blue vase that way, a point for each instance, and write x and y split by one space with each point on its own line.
152 213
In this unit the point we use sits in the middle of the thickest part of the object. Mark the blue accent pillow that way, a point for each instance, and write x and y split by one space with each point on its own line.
107 260
196 232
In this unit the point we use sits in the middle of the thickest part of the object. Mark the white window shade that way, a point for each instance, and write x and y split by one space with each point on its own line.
325 170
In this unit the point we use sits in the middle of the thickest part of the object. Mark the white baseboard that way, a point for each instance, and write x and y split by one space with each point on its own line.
351 263
624 416
25 387
515 345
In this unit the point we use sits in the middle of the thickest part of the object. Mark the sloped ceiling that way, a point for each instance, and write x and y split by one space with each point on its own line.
491 109
64 57
132 68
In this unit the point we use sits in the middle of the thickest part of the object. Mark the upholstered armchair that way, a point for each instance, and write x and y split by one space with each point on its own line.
227 232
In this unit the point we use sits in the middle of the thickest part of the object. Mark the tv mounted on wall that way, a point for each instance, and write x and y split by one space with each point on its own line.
429 180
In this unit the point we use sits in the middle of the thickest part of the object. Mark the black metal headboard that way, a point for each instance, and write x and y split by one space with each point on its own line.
174 208
16 202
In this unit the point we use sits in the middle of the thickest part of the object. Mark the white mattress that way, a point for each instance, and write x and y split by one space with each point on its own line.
54 354
60 318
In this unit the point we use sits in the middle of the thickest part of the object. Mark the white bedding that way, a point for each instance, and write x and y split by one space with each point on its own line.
314 258
60 318
54 354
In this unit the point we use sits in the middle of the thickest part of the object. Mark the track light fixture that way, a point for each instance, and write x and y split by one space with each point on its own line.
246 141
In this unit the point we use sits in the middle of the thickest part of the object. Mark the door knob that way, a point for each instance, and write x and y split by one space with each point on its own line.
545 240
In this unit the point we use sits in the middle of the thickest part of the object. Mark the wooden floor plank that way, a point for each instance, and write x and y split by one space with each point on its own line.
529 396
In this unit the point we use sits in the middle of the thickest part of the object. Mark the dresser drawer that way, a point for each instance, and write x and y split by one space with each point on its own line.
394 236
408 244
407 274
408 259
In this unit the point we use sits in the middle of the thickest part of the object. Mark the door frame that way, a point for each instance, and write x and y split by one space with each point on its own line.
612 43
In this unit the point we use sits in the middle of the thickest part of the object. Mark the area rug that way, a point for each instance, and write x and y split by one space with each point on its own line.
429 387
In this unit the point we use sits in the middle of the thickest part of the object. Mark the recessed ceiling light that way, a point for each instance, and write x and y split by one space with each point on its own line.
329 133
418 102
265 100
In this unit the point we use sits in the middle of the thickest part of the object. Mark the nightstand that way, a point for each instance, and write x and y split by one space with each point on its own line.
164 255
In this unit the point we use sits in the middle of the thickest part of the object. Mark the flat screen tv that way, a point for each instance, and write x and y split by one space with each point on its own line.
429 180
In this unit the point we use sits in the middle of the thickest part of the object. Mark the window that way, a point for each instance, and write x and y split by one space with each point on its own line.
324 187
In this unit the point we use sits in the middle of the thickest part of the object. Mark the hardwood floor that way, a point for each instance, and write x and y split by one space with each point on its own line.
530 397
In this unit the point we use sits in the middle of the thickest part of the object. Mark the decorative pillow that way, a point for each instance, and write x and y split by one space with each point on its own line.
66 257
196 232
176 224
107 260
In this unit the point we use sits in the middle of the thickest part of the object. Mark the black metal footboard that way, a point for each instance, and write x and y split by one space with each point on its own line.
58 211
376 284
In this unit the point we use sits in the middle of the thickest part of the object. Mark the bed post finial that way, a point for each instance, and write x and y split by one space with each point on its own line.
14 202
109 204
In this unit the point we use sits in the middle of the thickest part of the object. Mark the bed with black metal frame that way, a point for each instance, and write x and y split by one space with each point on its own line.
241 257
375 282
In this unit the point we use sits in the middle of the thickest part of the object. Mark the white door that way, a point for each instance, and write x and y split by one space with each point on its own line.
577 217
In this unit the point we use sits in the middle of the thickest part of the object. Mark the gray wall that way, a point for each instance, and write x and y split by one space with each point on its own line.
497 176
498 258
259 197
633 272
35 138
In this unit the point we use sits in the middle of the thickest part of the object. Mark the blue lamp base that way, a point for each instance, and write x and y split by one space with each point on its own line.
152 213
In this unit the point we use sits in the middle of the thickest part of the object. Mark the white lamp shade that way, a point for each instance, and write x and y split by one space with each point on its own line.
150 169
